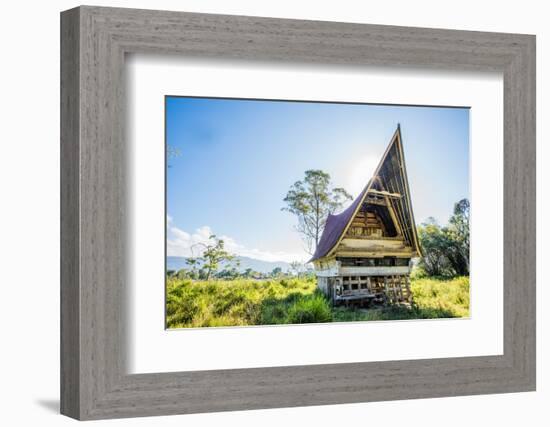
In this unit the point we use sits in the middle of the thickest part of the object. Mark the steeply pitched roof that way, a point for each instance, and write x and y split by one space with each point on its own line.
335 226
390 175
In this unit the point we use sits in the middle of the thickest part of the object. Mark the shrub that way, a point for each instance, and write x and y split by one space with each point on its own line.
310 309
418 272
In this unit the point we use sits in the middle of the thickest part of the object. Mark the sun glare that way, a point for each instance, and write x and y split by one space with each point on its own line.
359 174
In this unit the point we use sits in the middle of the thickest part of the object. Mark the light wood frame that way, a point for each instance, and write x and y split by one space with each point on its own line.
94 41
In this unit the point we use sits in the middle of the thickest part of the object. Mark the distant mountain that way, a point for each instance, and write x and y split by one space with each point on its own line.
177 263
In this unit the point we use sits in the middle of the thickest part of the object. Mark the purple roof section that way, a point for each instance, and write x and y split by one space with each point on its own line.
334 227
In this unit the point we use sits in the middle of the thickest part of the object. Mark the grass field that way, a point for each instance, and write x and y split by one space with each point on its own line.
241 302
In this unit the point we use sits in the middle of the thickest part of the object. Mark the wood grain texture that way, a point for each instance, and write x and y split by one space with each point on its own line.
70 292
94 382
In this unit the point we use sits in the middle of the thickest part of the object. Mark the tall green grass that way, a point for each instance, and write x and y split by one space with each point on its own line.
450 296
289 301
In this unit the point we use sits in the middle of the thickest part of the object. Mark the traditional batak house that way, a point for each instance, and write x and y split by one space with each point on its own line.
364 254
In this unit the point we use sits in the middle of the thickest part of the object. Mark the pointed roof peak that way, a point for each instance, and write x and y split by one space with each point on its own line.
337 225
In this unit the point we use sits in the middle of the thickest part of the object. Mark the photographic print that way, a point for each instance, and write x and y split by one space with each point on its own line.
284 212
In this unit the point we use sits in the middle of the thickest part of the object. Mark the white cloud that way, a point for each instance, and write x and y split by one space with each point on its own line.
184 244
181 243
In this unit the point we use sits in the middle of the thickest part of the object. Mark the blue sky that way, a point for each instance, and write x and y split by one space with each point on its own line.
238 159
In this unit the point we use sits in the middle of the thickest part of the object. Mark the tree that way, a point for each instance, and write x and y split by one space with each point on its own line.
276 272
172 152
183 273
312 200
458 232
434 244
296 268
228 273
248 273
213 254
193 263
447 249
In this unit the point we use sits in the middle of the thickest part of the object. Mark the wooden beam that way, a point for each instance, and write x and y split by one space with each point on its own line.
403 166
384 193
391 209
347 253
350 243
372 201
374 271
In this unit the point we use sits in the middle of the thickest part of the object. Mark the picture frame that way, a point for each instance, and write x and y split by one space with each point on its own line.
94 380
